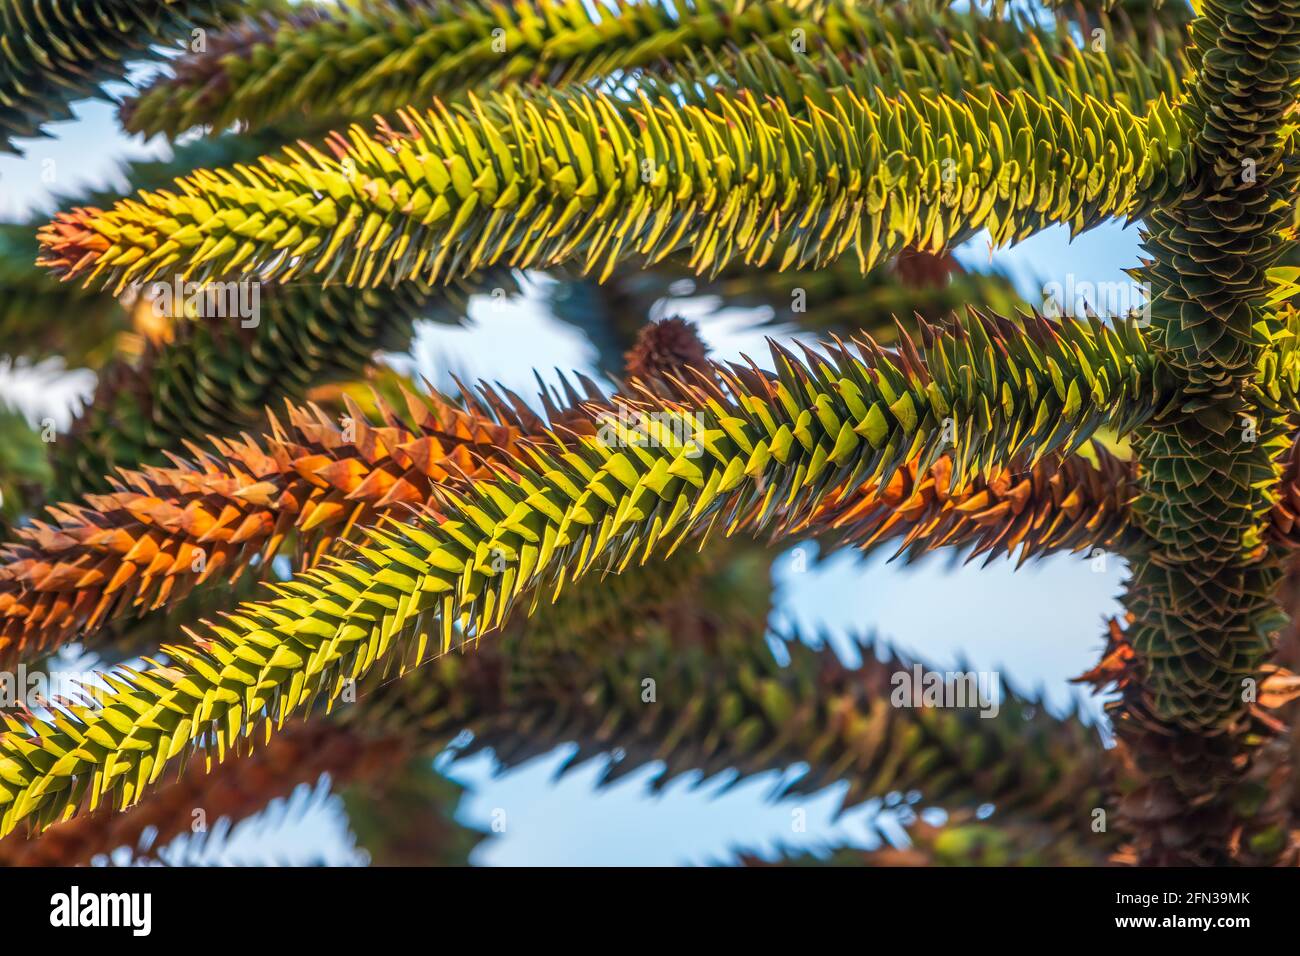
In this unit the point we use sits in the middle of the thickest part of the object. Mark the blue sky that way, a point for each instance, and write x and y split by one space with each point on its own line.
1038 626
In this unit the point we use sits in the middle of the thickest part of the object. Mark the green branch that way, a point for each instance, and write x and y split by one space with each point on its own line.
217 376
387 55
582 177
763 452
53 52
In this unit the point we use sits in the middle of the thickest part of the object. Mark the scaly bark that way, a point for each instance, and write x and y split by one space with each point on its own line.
1203 590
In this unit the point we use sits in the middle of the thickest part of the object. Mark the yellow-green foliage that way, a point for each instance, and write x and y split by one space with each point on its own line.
763 452
587 178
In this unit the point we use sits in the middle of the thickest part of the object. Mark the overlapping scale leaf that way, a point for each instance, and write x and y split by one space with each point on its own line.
1209 476
1057 505
35 310
1201 799
768 450
581 177
980 395
915 51
376 57
1202 598
381 56
575 672
162 531
230 790
218 374
231 505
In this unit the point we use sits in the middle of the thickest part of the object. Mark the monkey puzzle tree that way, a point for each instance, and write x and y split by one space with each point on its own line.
622 149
